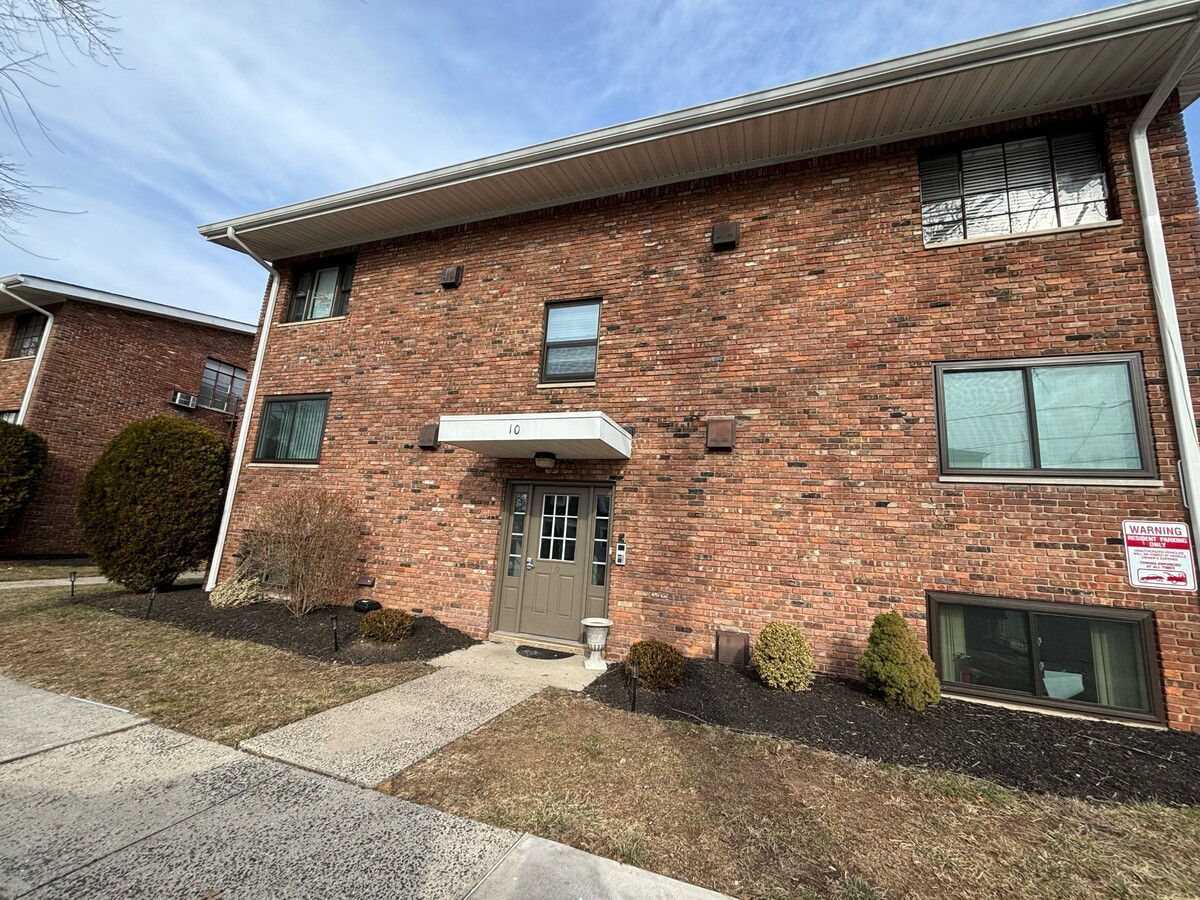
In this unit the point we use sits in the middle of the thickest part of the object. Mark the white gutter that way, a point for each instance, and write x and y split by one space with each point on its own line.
42 344
1160 281
240 451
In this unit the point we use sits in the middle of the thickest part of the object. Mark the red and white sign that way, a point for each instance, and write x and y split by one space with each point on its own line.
1159 555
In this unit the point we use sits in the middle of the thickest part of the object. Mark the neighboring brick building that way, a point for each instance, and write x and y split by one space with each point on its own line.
931 340
107 361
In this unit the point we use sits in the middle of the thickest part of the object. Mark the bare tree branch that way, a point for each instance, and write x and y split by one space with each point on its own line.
31 33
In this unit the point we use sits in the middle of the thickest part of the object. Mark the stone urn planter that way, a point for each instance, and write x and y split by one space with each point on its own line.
596 636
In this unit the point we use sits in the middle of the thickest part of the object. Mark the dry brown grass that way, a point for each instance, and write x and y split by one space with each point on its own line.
762 818
30 569
211 687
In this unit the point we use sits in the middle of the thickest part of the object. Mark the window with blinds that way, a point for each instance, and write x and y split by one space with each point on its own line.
321 290
291 429
1031 184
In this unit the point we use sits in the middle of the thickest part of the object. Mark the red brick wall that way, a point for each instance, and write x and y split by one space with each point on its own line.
818 333
14 373
103 369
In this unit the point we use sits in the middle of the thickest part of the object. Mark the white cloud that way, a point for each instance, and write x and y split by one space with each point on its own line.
224 108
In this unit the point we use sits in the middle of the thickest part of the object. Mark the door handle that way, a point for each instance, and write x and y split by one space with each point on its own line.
529 562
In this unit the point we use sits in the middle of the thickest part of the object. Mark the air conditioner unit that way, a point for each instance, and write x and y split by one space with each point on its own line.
181 398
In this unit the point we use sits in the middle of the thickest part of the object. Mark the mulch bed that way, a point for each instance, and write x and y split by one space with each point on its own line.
1030 751
272 624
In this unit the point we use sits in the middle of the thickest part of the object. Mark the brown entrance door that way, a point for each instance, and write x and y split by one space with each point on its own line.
555 568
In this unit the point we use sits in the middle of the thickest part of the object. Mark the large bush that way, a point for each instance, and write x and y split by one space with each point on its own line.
304 545
782 657
660 666
150 506
896 666
22 459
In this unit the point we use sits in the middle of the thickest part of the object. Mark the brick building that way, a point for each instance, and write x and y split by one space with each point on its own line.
888 339
101 362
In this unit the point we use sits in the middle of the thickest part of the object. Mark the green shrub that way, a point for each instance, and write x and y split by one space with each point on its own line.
386 625
782 657
150 505
22 460
241 590
661 665
896 666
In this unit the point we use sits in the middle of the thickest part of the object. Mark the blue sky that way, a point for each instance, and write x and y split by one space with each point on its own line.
223 107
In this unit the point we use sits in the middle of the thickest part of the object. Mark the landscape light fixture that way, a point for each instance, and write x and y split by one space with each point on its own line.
636 665
150 605
73 576
333 619
543 459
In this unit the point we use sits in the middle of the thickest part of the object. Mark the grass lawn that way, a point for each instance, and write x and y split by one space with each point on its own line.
30 569
763 818
215 688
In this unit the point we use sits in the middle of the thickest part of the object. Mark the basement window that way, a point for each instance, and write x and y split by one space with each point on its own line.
292 429
1066 655
572 338
1054 416
1035 183
321 289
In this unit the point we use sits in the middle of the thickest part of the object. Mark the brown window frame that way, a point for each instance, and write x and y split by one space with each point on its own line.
1143 618
547 345
291 398
1092 127
28 331
231 399
299 304
1141 413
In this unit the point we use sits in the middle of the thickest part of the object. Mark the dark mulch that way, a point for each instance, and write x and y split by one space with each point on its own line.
1026 750
271 624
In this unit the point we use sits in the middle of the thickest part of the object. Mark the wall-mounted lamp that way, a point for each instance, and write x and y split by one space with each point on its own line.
543 459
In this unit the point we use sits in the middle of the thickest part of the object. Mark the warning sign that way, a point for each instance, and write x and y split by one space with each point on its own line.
1159 555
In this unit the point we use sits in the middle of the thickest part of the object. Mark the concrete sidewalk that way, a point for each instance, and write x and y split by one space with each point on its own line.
185 578
368 741
95 802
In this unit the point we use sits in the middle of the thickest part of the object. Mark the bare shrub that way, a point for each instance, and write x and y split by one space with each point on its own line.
304 544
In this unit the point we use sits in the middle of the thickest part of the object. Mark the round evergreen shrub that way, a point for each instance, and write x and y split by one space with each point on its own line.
22 459
661 665
896 666
386 625
151 504
782 657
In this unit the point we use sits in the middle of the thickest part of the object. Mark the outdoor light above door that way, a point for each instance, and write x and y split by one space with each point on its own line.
544 460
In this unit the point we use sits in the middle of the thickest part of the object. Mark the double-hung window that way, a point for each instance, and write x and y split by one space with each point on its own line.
1056 416
321 290
291 429
27 335
221 386
572 337
1035 183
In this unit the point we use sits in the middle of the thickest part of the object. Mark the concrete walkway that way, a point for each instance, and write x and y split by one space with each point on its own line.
95 802
368 741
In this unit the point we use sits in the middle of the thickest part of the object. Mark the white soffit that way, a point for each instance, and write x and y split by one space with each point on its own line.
569 435
1106 55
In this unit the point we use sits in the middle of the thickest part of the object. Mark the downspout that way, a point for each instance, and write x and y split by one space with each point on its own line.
41 350
247 409
1160 281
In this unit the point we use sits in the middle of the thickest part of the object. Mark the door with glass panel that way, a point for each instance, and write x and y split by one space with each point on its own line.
554 566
